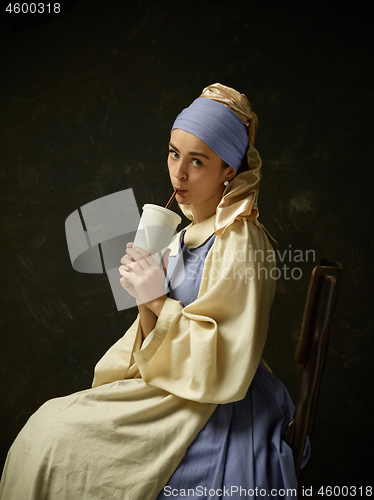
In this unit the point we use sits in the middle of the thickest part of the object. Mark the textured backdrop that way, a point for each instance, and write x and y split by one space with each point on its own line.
86 102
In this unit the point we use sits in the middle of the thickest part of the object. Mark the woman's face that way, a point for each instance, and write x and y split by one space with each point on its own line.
195 170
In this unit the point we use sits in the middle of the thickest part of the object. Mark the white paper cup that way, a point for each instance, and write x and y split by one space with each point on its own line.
156 228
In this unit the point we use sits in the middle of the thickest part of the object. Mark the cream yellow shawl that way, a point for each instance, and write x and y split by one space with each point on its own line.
200 355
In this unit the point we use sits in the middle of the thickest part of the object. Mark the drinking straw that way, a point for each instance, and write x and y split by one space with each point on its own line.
171 199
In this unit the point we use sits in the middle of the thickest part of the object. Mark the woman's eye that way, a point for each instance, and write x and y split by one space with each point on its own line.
196 162
173 154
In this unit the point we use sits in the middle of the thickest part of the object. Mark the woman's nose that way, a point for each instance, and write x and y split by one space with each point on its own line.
180 171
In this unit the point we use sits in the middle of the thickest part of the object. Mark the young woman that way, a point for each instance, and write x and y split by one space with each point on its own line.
181 405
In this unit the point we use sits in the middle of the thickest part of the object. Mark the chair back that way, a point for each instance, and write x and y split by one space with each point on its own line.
311 352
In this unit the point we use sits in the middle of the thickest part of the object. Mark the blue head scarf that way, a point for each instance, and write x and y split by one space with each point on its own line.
216 125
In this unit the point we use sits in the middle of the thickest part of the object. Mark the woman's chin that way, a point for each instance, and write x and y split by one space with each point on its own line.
183 199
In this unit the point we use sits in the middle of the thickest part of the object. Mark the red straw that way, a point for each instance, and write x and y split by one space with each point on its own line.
171 199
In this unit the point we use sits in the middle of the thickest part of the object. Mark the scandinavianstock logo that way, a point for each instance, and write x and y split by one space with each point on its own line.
98 232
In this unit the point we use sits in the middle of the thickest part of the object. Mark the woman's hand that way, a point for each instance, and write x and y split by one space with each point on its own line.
126 261
148 281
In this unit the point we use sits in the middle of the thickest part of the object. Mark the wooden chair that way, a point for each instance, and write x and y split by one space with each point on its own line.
311 353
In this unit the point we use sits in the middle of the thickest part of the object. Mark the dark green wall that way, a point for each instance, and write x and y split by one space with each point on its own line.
87 100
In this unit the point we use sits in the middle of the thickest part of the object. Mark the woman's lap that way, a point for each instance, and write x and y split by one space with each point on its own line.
241 446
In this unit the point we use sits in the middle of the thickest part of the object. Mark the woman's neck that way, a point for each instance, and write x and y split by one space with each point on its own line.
202 211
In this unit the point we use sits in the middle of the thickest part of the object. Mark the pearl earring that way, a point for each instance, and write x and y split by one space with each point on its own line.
226 183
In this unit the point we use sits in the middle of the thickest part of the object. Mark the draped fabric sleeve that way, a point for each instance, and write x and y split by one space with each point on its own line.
118 362
209 350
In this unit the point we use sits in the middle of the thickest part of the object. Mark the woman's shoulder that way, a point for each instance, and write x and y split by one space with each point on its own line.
243 231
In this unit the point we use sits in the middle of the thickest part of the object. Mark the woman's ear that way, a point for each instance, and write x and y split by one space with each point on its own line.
231 173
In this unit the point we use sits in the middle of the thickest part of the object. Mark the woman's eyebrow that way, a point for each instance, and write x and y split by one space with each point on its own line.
196 153
192 153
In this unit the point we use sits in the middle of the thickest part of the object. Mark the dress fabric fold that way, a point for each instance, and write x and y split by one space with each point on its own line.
124 437
241 446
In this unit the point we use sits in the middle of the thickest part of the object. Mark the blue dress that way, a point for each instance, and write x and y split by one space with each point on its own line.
241 446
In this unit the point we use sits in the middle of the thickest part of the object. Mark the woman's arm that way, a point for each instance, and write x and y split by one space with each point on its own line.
147 320
147 286
148 315
209 350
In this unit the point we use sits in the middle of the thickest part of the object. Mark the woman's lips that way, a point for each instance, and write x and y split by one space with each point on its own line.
181 191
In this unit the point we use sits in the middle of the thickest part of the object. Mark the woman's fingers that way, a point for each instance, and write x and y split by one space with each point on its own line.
138 251
126 282
142 257
124 269
126 264
126 259
142 276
